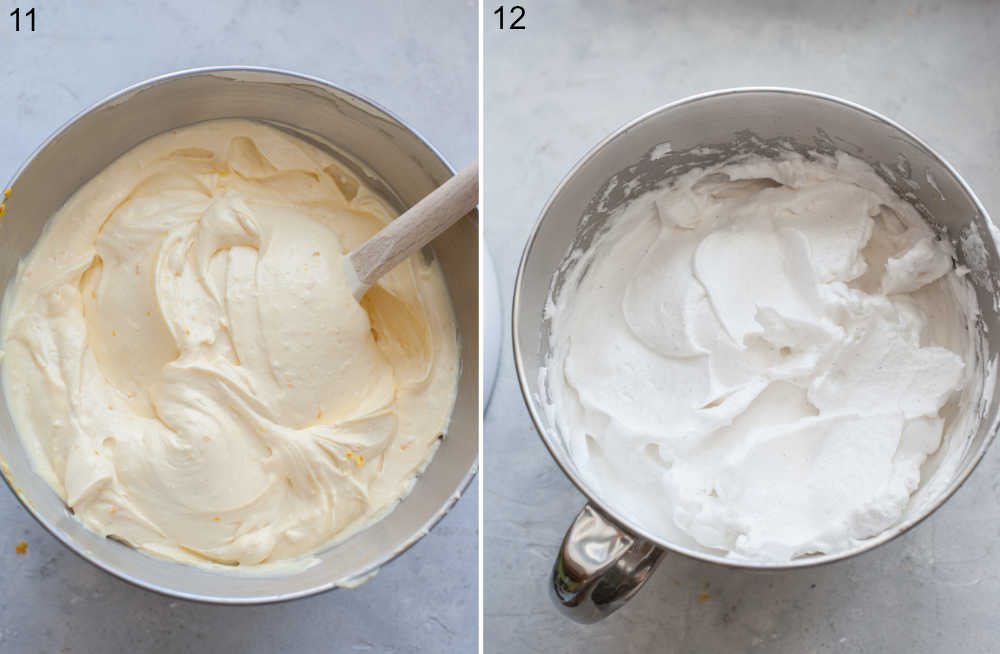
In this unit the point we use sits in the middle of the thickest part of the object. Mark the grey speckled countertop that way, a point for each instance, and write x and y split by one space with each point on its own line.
578 72
419 60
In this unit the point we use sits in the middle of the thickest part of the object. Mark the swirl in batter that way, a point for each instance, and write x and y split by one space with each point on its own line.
188 369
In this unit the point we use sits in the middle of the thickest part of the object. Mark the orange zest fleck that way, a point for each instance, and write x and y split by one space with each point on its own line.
704 597
93 294
319 413
21 548
187 331
3 210
316 254
113 509
361 460
217 518
114 332
349 455
6 194
149 313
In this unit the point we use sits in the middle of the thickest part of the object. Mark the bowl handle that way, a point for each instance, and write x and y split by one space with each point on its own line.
599 567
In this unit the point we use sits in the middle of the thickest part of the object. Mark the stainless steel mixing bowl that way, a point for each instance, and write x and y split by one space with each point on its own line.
605 558
394 159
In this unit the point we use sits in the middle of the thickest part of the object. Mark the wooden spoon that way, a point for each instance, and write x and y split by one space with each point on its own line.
417 227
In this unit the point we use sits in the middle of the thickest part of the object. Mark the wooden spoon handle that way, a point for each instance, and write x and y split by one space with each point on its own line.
414 229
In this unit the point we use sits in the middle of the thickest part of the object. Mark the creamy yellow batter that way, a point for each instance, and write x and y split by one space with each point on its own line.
186 364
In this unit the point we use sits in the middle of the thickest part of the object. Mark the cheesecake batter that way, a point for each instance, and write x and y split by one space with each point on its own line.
187 367
757 360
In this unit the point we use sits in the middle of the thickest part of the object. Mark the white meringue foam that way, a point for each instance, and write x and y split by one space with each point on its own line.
758 359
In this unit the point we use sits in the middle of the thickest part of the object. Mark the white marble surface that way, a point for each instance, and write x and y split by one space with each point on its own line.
419 60
579 71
